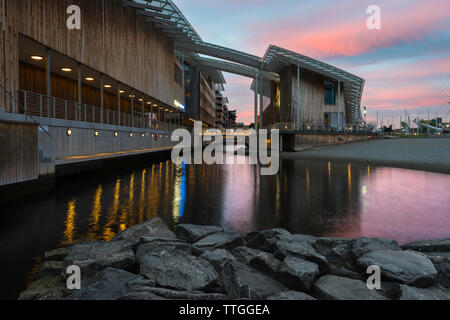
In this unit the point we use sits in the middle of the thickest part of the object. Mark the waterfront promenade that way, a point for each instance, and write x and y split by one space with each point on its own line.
430 154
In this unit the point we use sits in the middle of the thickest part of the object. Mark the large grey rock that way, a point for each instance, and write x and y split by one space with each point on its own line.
431 293
301 250
265 240
176 269
218 258
50 269
330 287
291 295
266 263
105 285
242 282
140 290
297 274
193 233
56 254
95 256
441 261
438 245
155 227
407 267
245 254
220 240
43 288
150 243
323 245
361 246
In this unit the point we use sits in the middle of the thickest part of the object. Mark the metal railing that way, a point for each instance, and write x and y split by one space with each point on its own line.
318 127
39 105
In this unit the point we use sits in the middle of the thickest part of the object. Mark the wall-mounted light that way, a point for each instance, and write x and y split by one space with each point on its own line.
132 96
89 79
131 134
140 100
149 103
107 86
116 134
96 133
121 91
36 58
66 69
143 135
69 132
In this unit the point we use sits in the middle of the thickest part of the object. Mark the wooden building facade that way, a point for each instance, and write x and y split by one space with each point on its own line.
113 41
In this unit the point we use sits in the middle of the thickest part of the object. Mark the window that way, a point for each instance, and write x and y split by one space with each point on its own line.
330 93
178 75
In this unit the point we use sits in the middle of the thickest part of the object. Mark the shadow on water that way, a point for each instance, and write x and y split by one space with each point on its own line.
313 197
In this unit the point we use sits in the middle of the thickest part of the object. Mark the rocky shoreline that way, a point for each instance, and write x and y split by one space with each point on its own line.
150 262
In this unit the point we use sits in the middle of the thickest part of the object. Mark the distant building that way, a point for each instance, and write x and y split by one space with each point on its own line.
232 119
222 118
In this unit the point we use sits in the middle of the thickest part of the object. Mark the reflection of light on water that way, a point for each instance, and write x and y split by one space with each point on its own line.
349 176
364 190
95 215
141 201
308 186
69 233
179 199
108 233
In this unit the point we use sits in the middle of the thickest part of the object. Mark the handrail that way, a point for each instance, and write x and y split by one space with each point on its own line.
24 109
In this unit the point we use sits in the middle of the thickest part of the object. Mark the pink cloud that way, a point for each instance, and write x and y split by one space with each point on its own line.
349 36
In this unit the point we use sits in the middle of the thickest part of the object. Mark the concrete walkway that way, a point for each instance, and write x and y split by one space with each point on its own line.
431 154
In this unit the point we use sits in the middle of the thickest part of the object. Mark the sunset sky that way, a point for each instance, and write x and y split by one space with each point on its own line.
405 64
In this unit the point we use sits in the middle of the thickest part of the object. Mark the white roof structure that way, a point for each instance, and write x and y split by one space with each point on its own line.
166 16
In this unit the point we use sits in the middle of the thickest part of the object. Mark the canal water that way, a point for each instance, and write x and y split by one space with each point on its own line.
321 198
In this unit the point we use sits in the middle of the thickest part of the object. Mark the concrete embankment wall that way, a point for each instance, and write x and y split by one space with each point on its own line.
304 141
32 149
18 152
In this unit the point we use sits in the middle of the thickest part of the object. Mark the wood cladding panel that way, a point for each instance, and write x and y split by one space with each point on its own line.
112 40
312 104
18 154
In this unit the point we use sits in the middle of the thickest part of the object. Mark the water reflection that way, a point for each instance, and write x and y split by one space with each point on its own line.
323 198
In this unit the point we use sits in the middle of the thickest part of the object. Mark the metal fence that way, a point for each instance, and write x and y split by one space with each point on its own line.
39 105
318 127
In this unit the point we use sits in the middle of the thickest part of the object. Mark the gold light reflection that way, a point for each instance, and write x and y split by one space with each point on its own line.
177 195
142 199
308 185
349 174
108 233
95 215
69 232
127 210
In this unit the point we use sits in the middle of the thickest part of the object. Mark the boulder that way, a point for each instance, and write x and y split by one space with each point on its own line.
431 293
301 250
139 290
50 269
242 282
265 240
291 295
105 285
146 243
266 263
342 272
245 254
155 227
297 274
323 245
441 261
220 240
176 269
406 267
218 258
193 233
361 246
95 256
438 245
56 255
330 287
43 288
